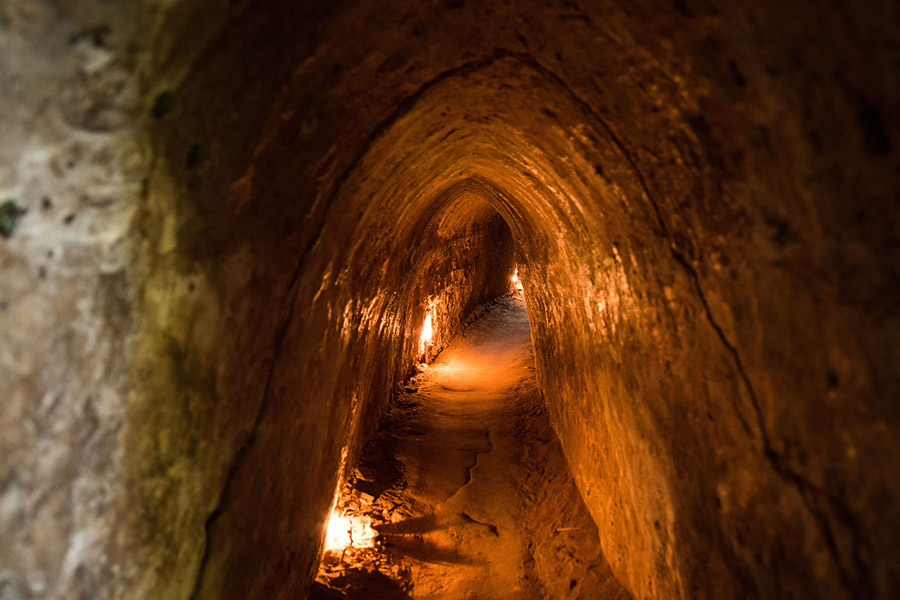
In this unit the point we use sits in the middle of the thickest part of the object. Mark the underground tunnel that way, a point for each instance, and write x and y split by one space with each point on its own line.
449 299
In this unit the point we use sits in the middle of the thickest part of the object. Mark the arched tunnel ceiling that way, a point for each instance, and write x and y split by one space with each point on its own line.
648 191
701 198
593 235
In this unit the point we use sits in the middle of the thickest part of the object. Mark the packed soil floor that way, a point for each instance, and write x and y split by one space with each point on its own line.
466 486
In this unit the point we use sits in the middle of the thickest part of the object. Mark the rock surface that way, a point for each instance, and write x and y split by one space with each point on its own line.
468 488
237 214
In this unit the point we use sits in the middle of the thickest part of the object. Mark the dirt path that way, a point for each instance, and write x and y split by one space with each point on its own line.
467 486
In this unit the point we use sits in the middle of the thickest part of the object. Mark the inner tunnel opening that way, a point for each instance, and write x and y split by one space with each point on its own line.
463 489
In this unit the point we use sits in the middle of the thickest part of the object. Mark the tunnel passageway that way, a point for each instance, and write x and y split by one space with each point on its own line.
223 224
467 486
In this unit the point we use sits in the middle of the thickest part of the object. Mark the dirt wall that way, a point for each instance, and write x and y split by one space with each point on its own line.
250 204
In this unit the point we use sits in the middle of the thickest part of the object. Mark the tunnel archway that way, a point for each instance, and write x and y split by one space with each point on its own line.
225 224
588 228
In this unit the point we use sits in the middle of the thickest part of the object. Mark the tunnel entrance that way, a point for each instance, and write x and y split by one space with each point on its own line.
464 491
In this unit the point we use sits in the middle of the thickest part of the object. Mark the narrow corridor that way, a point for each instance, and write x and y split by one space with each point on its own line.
467 487
224 225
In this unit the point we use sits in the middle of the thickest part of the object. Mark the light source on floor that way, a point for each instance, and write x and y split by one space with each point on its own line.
346 531
517 283
427 332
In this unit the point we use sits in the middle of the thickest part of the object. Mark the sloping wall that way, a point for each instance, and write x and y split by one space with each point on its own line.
266 195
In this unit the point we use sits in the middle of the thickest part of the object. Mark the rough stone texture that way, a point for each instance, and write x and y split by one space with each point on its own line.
240 240
71 160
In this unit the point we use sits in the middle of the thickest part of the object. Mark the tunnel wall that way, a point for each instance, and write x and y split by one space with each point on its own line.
317 366
704 201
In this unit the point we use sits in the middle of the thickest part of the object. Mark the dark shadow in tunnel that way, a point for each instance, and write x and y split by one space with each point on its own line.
355 581
418 549
410 526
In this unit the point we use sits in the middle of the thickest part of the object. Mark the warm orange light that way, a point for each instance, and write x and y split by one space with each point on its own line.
517 283
345 531
427 333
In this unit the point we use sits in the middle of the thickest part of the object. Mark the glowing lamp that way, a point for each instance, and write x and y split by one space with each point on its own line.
349 531
427 333
517 283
